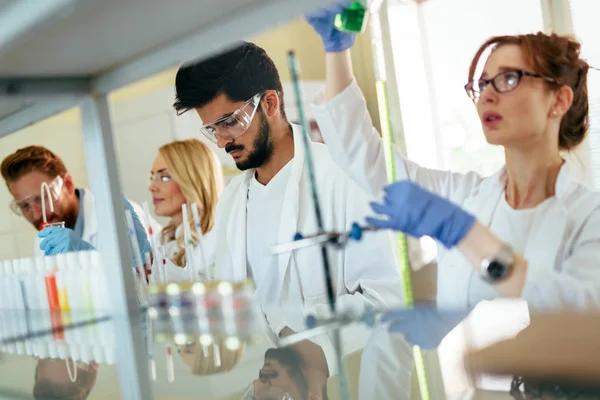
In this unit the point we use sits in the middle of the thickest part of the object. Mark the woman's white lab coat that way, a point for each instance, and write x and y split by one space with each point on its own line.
90 223
204 251
562 251
363 273
564 246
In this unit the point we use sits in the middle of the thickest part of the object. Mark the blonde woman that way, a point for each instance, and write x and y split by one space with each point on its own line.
185 172
202 361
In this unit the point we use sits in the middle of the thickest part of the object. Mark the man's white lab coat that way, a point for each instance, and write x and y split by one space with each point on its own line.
363 273
90 224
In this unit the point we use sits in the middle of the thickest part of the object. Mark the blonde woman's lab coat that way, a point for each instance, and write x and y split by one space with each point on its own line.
90 222
562 250
204 251
363 274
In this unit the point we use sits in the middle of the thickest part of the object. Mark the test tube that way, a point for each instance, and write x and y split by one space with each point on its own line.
21 276
170 366
85 269
152 237
110 356
200 234
134 242
188 244
50 280
16 293
72 283
3 287
74 351
163 264
29 270
63 300
40 273
217 355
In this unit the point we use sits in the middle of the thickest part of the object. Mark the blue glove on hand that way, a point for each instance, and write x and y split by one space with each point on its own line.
140 232
418 212
61 240
322 20
424 327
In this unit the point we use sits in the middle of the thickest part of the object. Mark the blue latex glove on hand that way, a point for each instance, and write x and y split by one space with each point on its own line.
418 212
424 327
140 232
61 240
322 20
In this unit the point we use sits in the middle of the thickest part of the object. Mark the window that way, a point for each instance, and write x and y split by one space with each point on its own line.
433 43
585 23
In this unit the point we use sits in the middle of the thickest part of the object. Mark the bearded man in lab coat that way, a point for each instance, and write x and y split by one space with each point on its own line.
239 98
25 170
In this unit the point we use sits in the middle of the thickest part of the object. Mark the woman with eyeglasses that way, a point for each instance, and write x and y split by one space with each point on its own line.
530 231
185 172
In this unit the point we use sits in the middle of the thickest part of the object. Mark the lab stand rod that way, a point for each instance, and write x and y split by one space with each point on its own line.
114 249
430 383
336 340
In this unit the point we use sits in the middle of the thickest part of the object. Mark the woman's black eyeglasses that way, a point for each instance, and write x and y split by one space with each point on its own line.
503 82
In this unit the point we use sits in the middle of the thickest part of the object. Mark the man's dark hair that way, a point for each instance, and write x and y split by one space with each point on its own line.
239 74
294 363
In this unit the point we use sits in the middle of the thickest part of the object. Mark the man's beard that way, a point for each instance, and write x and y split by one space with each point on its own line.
263 147
69 217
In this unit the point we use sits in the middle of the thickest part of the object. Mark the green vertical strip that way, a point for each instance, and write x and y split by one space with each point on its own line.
390 165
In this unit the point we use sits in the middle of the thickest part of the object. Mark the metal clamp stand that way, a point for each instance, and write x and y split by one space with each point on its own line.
293 65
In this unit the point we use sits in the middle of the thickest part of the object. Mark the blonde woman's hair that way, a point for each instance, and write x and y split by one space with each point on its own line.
197 171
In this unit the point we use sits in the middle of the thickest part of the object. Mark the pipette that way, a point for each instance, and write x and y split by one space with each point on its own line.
200 234
310 167
133 238
45 190
163 264
337 239
189 244
170 366
139 264
153 246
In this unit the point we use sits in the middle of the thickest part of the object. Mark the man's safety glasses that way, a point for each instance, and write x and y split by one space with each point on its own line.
25 205
503 82
232 126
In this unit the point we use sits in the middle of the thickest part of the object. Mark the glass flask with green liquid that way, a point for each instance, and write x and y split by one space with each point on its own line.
354 17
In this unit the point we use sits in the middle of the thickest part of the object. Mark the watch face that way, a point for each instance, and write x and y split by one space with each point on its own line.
496 270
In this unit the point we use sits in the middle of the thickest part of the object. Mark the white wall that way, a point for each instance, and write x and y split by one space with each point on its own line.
141 124
60 134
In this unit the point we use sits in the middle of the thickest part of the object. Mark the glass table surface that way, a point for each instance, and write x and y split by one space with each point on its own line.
71 355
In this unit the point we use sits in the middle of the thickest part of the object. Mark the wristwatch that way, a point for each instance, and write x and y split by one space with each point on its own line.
498 266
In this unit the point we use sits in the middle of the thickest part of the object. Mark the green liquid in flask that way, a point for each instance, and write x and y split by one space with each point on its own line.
353 18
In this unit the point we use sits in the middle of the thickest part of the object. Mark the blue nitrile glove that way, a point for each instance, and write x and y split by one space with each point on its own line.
61 240
140 232
424 327
418 212
322 21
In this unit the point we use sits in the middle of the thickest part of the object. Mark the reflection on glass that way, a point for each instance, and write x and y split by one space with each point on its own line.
64 379
209 360
282 376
